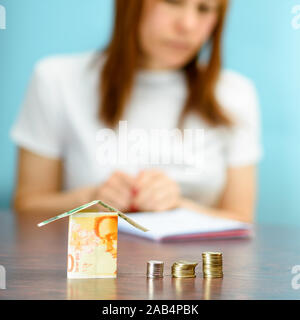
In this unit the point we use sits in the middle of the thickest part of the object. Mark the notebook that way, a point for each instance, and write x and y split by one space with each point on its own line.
180 224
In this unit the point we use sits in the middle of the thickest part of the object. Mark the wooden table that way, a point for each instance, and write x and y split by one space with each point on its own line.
35 260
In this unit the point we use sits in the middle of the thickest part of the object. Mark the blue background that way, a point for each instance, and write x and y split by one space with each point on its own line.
259 42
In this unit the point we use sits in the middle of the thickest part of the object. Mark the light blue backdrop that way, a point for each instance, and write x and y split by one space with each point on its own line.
260 42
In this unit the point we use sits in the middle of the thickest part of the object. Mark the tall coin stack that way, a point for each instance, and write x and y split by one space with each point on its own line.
184 269
155 269
212 265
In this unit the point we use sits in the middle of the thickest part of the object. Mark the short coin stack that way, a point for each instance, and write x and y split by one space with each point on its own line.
155 269
212 265
184 269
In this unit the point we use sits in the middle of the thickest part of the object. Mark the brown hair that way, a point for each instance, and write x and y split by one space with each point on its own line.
120 66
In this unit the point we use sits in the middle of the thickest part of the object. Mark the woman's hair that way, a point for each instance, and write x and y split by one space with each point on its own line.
122 56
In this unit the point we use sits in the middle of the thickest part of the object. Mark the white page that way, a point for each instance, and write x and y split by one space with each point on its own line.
178 222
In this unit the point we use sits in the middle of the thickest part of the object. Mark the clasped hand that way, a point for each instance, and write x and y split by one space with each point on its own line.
150 190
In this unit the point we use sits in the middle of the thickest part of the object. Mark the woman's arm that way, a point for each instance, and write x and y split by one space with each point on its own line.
39 185
238 199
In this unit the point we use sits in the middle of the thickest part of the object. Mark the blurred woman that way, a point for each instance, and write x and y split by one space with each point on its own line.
162 70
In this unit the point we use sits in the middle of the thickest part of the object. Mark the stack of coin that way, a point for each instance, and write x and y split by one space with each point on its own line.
155 269
212 265
184 269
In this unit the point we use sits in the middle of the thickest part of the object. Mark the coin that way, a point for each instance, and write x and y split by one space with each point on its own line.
184 269
155 269
212 264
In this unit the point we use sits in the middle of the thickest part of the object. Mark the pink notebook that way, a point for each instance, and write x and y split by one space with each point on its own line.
181 224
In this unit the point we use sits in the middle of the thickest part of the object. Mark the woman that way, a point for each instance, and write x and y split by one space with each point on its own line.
151 77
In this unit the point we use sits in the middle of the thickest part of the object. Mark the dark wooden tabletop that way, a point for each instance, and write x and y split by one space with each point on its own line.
35 260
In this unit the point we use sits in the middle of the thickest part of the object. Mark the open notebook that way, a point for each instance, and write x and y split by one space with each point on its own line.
180 224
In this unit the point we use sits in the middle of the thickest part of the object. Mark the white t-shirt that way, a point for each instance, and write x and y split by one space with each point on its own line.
59 119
